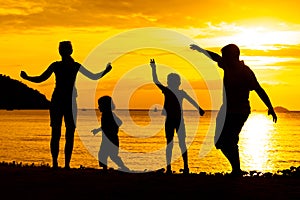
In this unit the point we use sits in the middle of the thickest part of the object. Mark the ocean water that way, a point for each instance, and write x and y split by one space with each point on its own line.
264 146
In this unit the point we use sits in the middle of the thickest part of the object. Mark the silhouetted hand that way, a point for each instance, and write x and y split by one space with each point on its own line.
152 63
24 75
272 112
108 67
96 130
201 111
196 47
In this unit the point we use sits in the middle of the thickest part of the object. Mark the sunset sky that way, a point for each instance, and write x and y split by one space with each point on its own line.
267 32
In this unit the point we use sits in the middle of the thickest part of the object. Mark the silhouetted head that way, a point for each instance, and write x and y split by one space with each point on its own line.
105 103
65 48
231 53
173 80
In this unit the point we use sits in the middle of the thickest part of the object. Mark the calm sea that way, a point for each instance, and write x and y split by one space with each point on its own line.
264 145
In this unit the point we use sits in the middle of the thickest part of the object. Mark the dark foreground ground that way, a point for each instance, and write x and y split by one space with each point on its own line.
42 182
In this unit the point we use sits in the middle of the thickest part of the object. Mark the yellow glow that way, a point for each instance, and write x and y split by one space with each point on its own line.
263 39
31 32
132 72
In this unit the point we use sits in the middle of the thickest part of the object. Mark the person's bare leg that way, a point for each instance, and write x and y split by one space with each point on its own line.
169 150
69 146
232 156
184 153
54 145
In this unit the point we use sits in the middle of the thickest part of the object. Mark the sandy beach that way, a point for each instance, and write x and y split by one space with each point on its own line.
42 182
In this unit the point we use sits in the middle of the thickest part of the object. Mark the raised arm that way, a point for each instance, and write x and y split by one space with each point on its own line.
214 56
38 79
95 76
265 98
195 104
154 74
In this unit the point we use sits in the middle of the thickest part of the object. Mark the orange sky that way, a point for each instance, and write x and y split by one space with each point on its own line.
267 32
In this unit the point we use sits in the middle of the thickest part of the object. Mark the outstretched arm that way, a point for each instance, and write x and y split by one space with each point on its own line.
38 79
214 56
194 103
95 76
265 98
154 74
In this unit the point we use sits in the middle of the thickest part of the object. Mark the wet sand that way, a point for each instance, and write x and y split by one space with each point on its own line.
42 182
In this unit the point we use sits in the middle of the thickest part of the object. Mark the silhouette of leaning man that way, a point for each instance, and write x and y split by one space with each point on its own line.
238 81
63 102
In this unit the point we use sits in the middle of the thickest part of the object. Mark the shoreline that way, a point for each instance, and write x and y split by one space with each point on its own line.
43 182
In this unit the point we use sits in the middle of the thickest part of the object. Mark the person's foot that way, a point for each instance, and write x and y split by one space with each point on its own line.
161 170
169 172
124 169
67 167
185 170
237 173
104 168
54 164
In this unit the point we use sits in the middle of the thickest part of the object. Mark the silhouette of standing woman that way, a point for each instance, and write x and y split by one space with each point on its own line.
238 81
63 103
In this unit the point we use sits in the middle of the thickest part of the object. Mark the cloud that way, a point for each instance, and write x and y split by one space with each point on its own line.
256 37
280 50
79 13
20 8
30 14
274 83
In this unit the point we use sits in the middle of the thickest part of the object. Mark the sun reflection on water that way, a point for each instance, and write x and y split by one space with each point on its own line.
256 142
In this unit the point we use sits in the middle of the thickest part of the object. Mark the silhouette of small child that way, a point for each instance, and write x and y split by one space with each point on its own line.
110 124
174 114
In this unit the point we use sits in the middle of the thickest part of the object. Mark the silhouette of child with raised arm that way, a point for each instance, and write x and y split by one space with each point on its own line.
63 100
238 81
173 98
110 124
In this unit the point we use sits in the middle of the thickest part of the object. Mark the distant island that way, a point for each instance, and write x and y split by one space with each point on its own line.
278 109
281 109
17 95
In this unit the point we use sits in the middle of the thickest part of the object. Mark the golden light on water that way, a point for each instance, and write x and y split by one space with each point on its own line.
255 142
